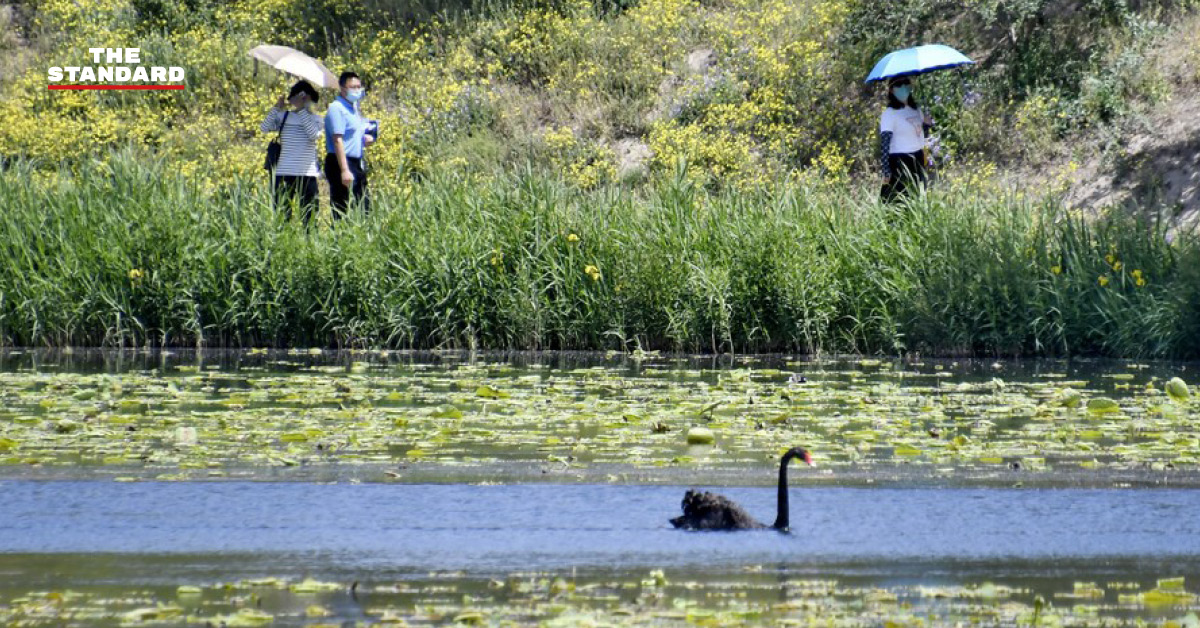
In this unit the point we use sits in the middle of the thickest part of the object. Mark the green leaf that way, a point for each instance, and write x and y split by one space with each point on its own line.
450 412
1178 389
1102 405
490 393
701 436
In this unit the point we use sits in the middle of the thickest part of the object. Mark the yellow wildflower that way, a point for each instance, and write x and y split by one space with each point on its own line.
1137 273
497 257
1140 282
1110 258
592 272
1057 270
572 238
135 274
1117 266
1103 280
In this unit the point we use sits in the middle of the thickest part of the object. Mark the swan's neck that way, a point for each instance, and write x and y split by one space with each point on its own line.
781 518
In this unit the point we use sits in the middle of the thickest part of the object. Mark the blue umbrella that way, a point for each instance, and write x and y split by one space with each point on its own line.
919 60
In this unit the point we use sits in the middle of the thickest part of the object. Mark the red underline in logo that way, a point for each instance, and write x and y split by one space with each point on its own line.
105 87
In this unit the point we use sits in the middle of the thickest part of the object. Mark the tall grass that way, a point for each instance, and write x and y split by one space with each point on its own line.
460 263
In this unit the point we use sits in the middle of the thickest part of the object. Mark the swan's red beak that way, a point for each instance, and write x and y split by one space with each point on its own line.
809 460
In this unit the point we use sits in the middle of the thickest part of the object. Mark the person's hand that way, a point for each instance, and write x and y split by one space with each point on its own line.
347 178
887 180
368 139
281 103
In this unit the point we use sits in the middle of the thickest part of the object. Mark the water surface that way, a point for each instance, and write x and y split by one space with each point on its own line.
374 416
504 528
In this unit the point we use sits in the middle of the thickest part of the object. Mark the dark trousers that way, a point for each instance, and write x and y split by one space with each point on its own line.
299 190
908 170
339 195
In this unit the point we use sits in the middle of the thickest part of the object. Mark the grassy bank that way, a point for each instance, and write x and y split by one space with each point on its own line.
130 252
593 175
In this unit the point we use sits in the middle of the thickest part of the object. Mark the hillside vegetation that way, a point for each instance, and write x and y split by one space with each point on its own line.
571 174
743 90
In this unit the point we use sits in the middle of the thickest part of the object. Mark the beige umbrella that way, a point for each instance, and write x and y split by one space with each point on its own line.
295 63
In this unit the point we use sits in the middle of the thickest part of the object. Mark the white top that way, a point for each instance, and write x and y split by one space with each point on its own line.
905 125
298 158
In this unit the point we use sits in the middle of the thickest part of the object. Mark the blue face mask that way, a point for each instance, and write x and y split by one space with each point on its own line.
902 92
354 95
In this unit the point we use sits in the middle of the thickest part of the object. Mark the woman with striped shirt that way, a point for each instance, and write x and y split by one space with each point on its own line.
296 172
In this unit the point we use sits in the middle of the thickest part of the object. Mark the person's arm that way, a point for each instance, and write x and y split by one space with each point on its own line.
313 125
271 124
335 127
885 149
340 149
885 143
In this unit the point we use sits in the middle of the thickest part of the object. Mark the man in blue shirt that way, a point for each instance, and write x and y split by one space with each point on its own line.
346 135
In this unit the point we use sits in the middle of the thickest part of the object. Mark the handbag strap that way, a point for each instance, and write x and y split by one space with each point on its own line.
281 123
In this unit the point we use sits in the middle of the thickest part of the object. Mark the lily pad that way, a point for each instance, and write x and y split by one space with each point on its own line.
1102 405
249 618
1178 390
448 412
1070 398
700 436
314 586
490 393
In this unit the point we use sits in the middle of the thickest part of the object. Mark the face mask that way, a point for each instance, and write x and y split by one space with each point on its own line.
354 95
902 93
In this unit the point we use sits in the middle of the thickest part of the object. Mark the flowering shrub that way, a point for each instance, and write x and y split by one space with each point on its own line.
586 164
779 90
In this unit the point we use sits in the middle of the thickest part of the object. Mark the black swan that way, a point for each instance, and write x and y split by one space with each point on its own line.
708 511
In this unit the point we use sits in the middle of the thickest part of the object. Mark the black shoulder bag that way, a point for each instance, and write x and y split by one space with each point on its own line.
275 148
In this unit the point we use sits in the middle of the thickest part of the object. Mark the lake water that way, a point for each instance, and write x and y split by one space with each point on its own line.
498 529
451 487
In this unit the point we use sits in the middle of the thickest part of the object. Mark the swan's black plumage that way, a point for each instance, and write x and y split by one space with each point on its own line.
709 511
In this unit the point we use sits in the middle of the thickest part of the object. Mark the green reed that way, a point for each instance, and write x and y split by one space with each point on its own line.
128 253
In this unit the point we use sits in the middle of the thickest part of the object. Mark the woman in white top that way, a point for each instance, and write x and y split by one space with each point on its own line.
296 173
902 129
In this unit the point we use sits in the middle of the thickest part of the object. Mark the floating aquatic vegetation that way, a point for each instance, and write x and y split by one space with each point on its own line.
394 418
700 436
1178 389
308 585
752 596
1102 405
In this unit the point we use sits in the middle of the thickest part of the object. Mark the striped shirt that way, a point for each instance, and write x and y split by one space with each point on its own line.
298 158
